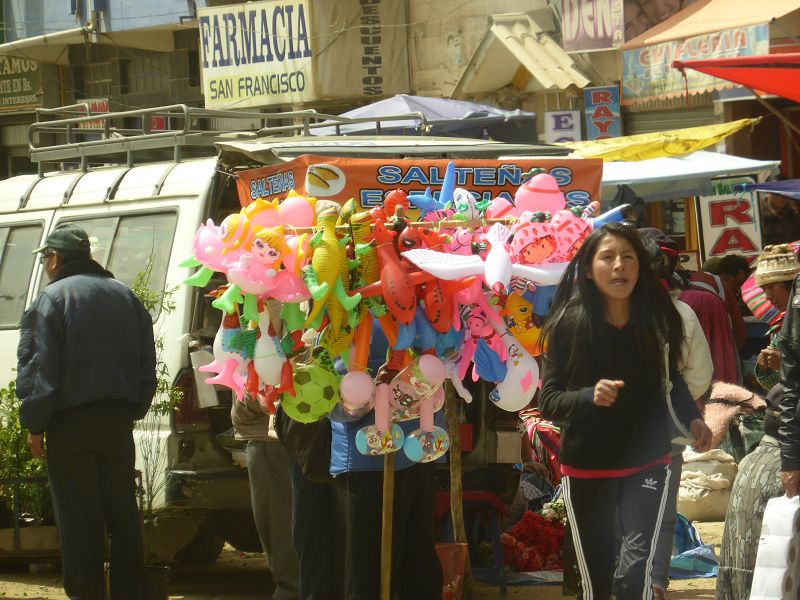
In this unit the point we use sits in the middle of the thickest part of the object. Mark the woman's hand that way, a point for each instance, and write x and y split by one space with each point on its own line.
701 434
606 391
769 359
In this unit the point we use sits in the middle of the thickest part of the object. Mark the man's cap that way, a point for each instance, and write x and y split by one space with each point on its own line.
67 236
776 263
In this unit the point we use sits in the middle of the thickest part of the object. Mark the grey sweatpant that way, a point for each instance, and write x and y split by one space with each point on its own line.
616 522
271 495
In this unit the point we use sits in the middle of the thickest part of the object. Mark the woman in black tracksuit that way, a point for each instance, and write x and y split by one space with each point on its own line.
603 379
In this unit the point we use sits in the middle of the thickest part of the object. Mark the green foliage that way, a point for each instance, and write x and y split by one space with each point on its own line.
167 398
17 462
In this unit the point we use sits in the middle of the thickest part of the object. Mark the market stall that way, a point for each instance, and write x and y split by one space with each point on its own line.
418 251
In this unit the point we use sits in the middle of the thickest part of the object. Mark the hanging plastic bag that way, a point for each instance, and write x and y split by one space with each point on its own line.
777 532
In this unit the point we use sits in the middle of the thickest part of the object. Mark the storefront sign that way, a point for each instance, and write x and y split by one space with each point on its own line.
95 106
293 52
562 126
648 72
728 221
591 24
369 180
20 83
603 116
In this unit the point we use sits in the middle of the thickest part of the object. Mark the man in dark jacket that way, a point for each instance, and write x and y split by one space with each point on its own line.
85 372
789 430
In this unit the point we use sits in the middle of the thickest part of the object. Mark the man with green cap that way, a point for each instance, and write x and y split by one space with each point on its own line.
85 372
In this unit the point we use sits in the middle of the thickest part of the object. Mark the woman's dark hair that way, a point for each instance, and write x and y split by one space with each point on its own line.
571 325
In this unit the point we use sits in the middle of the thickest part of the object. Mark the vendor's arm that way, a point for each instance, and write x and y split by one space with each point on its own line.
683 403
39 363
789 430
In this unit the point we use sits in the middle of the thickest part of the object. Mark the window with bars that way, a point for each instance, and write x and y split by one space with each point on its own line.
145 74
97 80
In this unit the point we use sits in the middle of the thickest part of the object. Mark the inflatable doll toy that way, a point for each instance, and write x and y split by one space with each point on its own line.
534 241
256 273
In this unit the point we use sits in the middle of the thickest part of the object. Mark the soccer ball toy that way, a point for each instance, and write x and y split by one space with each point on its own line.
316 393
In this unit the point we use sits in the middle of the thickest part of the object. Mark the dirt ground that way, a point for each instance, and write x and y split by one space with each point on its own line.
242 576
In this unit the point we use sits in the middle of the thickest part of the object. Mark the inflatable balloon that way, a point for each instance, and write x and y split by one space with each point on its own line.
316 393
540 193
615 215
570 231
229 363
382 437
519 313
519 386
356 390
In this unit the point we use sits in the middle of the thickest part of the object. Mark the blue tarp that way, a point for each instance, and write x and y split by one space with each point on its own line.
446 117
788 187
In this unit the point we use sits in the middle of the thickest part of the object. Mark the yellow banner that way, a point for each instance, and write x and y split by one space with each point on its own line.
675 142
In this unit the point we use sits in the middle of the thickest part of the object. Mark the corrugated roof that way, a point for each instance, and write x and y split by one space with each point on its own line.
707 16
513 42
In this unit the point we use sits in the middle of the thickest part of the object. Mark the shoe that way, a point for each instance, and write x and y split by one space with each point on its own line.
659 593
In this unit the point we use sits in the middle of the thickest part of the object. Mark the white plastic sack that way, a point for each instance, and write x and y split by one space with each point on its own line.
706 482
777 531
710 463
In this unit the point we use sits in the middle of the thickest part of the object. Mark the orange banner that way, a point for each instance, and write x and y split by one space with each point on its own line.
369 180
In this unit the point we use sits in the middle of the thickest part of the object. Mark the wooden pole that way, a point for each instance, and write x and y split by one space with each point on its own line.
456 506
386 526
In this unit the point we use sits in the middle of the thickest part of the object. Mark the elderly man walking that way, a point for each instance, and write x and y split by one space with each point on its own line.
85 372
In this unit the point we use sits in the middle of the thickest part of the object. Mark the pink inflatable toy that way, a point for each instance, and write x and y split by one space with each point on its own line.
540 193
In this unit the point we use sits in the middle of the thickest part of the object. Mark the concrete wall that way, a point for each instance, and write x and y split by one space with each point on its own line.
30 18
445 33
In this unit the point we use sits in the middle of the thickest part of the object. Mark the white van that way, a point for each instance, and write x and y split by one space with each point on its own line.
135 207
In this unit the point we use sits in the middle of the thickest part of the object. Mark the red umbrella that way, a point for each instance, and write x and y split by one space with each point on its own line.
777 74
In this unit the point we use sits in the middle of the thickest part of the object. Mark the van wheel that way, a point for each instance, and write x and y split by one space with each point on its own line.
204 548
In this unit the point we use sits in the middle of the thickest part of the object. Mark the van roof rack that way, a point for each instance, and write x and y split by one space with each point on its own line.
74 134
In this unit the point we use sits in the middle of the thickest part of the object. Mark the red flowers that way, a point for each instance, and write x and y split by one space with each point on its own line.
534 544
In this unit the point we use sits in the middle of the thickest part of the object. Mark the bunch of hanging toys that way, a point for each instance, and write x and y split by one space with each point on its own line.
458 293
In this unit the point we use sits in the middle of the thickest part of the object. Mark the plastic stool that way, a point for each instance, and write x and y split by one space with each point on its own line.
477 505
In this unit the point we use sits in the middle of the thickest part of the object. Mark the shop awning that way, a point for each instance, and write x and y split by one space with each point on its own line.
669 177
706 16
53 47
675 142
777 74
518 50
442 117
